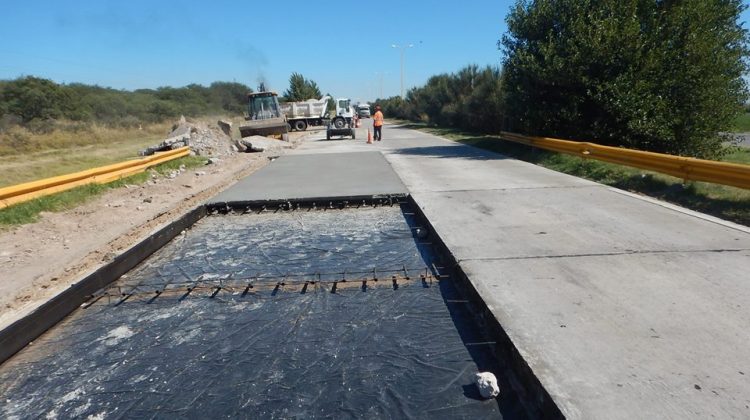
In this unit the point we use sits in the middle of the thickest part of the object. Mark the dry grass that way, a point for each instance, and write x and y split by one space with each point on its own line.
66 151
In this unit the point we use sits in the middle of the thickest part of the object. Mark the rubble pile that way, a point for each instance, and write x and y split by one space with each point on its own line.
213 140
203 139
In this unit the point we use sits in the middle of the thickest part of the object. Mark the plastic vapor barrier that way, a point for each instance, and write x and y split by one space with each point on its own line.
300 314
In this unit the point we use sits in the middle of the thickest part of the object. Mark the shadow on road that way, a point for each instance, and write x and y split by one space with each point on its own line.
452 151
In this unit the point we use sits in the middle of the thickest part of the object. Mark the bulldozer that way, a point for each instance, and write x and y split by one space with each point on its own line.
264 116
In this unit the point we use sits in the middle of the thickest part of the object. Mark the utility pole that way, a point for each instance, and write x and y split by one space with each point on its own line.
402 48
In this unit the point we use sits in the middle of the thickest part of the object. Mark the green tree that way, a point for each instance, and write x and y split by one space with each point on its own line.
301 89
35 98
331 108
230 96
664 75
471 99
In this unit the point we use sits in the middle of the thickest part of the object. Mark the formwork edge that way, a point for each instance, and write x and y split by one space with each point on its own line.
543 405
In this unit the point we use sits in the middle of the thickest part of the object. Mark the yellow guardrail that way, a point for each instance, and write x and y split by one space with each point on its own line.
689 169
28 191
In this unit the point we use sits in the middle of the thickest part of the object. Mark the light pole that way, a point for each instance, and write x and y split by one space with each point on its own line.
402 48
380 75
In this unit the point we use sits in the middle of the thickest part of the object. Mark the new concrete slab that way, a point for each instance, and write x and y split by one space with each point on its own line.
629 336
307 176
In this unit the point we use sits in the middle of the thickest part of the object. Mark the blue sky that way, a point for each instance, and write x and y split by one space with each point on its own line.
344 46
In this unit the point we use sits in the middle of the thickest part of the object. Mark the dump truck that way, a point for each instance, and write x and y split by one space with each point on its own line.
300 115
264 116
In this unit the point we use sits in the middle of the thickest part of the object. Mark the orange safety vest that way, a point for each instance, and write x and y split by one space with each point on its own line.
378 119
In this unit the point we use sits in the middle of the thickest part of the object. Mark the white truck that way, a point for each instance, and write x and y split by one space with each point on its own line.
363 110
343 124
300 115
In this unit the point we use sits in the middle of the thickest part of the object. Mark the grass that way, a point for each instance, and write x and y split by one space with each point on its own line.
725 202
742 123
30 211
64 152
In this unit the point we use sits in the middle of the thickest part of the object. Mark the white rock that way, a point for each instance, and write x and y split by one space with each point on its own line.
487 384
226 126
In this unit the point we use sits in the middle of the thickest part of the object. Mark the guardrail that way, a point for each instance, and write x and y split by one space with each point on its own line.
689 169
28 191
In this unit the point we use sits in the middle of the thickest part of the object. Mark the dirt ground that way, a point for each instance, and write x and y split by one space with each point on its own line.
39 260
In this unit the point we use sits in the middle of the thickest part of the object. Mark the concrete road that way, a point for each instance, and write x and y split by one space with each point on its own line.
622 306
311 177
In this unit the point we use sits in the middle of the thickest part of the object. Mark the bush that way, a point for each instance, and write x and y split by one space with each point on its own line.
41 126
471 99
31 100
660 76
34 98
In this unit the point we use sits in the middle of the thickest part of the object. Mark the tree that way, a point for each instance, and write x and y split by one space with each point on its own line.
331 107
663 75
471 99
231 97
301 89
35 98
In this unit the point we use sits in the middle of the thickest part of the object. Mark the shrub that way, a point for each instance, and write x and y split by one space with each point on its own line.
660 76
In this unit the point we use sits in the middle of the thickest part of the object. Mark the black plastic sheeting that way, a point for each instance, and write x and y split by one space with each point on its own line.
273 350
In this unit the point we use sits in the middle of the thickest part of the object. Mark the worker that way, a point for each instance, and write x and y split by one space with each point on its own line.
377 123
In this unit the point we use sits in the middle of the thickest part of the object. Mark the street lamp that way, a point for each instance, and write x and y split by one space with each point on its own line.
402 48
380 75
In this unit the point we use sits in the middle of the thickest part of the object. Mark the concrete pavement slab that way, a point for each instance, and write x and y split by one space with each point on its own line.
439 168
629 336
306 176
527 223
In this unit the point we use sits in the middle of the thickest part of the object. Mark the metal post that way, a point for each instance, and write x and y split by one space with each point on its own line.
402 47
402 73
381 85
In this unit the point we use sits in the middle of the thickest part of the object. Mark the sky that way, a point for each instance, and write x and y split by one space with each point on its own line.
345 47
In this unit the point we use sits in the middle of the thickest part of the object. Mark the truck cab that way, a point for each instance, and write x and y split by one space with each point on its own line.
344 113
363 110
